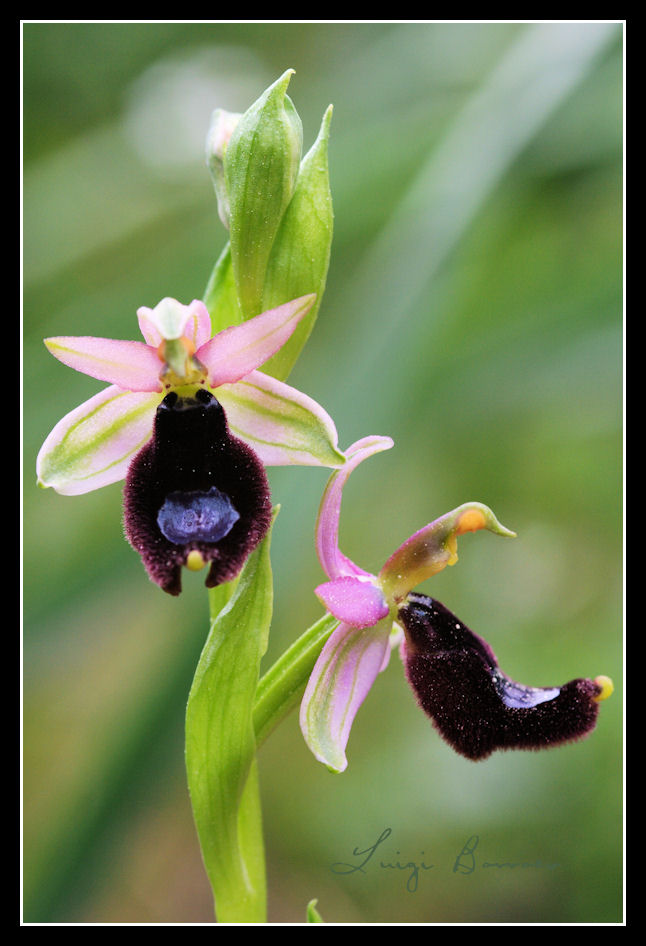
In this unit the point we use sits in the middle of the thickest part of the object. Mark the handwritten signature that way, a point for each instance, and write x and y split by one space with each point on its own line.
465 862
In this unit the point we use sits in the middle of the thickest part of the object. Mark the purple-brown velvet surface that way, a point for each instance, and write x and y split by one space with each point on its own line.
472 704
192 457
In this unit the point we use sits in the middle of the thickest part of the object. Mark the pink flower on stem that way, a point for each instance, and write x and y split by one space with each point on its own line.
453 672
196 489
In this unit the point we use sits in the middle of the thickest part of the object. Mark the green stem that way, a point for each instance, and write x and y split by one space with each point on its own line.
220 745
230 712
281 689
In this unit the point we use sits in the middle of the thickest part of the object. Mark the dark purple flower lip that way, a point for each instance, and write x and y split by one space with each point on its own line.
195 494
474 706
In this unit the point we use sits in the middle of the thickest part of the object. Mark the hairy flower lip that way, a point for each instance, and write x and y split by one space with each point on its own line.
473 705
195 495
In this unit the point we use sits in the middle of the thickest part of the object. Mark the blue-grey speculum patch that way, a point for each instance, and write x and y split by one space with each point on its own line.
197 516
518 696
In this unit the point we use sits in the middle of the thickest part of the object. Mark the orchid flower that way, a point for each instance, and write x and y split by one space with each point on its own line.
196 489
452 671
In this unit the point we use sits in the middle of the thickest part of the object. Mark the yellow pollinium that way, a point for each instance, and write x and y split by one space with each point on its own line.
452 549
607 688
195 560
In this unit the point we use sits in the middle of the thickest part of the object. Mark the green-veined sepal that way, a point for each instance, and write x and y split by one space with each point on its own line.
283 425
93 445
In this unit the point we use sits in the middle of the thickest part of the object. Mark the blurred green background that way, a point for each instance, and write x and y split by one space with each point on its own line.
474 313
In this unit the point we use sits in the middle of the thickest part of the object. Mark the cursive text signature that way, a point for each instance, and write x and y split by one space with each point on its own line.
466 862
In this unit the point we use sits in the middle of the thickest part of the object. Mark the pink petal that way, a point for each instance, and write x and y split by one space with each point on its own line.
198 326
147 327
192 321
132 366
235 352
284 426
342 677
334 563
353 601
93 445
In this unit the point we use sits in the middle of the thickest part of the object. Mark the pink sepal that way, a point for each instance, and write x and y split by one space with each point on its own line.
132 366
342 677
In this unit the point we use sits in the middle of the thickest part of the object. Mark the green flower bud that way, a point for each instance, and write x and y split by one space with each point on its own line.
280 238
261 164
300 255
220 295
221 128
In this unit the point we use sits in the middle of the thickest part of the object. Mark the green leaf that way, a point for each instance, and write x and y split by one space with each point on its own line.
220 745
313 915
